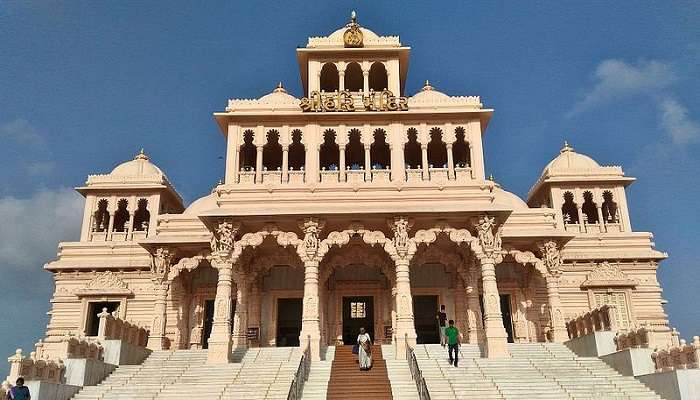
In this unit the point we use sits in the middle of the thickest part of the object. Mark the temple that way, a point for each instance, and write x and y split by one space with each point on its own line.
355 205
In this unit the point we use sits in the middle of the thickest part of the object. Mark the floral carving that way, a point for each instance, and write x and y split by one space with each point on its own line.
160 264
106 282
223 239
551 257
607 274
309 249
489 240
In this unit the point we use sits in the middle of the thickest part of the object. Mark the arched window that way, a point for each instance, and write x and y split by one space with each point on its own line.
248 151
379 153
329 152
329 77
377 77
569 209
272 151
354 151
142 216
354 80
121 216
460 150
100 221
437 151
297 153
589 208
609 208
412 152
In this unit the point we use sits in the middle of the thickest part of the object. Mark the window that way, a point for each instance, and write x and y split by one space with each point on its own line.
617 299
354 151
412 150
121 217
297 153
354 80
609 208
589 208
358 309
272 151
569 210
142 216
92 322
101 217
329 78
460 149
378 78
329 154
380 154
248 152
437 151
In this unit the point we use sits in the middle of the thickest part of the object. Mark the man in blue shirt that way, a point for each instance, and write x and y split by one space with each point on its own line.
19 391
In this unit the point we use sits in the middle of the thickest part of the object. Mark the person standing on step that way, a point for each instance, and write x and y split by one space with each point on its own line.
365 350
19 391
453 343
442 319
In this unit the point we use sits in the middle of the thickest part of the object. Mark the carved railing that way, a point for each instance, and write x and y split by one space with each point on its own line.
598 319
302 374
75 347
113 328
683 356
633 339
34 368
416 374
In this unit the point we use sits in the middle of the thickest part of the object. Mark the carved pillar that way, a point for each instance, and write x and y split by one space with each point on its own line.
450 162
110 225
552 260
365 81
130 227
475 325
160 267
309 252
285 164
254 317
404 249
258 164
341 162
341 80
239 338
581 222
222 259
368 164
424 156
601 221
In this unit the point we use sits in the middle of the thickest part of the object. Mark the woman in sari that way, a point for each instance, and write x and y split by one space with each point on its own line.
365 350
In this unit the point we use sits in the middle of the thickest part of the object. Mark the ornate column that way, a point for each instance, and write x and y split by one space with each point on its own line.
489 256
130 225
368 164
365 81
160 267
239 339
222 259
450 162
403 251
552 260
341 79
424 156
341 162
110 225
601 221
285 164
308 251
258 164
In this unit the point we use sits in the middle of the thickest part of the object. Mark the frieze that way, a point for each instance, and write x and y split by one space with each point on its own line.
607 274
344 101
105 283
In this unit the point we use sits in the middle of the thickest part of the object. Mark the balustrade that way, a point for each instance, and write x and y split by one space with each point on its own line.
598 319
683 356
76 347
634 338
113 328
33 368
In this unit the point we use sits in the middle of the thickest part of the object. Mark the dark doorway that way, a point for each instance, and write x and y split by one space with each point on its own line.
425 309
288 322
93 321
358 312
208 322
507 318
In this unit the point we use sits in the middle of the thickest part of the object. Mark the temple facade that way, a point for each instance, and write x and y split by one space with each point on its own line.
355 205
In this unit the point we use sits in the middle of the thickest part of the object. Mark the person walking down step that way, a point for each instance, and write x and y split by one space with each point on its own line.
453 342
365 350
442 319
19 391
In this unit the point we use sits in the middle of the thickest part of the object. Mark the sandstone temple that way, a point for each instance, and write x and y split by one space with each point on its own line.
353 205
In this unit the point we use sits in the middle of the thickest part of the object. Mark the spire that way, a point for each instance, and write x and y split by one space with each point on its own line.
427 86
279 89
141 155
566 147
491 177
353 17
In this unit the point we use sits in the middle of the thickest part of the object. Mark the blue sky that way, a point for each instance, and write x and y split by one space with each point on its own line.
84 85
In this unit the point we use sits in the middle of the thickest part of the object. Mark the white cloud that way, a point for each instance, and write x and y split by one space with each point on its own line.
677 123
616 78
32 227
20 131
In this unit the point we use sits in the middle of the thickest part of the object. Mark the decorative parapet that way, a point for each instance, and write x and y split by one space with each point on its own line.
78 347
35 368
113 328
634 338
474 101
683 356
333 41
598 319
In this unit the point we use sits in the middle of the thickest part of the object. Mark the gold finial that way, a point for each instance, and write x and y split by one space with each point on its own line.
279 89
353 35
141 155
566 147
427 86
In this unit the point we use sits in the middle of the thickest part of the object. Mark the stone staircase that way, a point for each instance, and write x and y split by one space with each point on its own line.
402 384
348 382
536 371
261 373
316 387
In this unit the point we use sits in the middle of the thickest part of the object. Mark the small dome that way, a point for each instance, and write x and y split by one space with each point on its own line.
568 159
202 204
139 166
278 96
509 199
428 93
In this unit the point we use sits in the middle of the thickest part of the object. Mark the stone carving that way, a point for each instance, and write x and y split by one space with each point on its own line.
311 307
489 240
682 356
106 282
223 239
185 264
160 264
113 328
551 257
311 248
607 274
598 319
72 346
634 338
33 368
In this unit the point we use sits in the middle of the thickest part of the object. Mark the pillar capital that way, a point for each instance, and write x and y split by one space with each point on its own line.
161 261
551 257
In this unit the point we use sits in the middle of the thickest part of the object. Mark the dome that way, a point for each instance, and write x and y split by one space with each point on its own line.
428 94
202 204
568 159
278 96
509 199
139 166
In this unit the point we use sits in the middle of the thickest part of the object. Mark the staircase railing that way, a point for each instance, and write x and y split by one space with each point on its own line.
302 374
416 374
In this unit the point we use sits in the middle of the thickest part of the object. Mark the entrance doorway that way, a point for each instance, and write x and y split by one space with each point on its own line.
425 309
507 316
93 321
208 322
358 312
289 312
